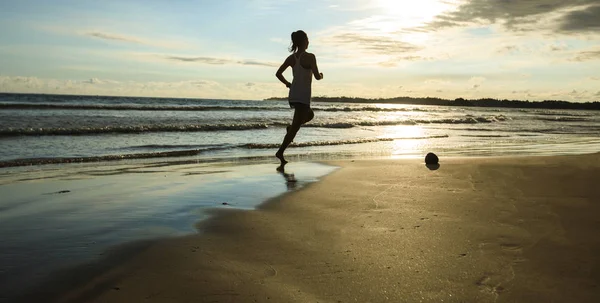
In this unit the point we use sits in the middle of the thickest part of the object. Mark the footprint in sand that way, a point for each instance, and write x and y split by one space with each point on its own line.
485 285
270 272
511 247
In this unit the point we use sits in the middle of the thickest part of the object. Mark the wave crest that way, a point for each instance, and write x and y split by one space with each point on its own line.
193 152
133 129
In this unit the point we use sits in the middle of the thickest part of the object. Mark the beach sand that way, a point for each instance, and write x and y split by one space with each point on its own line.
474 230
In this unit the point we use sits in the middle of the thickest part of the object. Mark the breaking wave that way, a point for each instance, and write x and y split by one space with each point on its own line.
194 151
11 132
134 107
565 119
139 107
134 129
486 136
334 142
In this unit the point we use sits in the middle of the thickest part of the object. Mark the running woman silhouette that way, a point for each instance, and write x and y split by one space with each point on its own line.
304 66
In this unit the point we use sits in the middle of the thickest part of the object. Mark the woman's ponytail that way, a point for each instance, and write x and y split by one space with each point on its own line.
298 38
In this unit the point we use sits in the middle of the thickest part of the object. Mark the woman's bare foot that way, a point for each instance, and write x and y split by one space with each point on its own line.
280 157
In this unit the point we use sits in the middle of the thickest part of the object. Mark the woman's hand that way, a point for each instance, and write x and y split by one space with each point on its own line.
321 76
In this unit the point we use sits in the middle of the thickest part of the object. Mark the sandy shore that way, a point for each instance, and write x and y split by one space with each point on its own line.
475 230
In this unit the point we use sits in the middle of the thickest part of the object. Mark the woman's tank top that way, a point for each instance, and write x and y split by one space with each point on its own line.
300 91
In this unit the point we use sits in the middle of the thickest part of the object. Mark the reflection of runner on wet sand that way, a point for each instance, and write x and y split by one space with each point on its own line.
290 179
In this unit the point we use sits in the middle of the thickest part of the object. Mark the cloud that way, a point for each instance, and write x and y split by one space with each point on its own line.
575 15
114 37
205 60
398 59
258 63
203 83
508 49
557 47
219 61
574 93
198 88
584 20
93 81
172 44
537 48
587 55
375 44
415 58
435 81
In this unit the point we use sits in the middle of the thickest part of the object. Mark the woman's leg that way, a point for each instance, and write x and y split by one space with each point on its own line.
310 115
301 115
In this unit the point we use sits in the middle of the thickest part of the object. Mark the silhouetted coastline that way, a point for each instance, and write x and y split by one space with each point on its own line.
484 102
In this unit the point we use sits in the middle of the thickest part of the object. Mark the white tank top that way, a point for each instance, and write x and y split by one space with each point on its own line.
300 91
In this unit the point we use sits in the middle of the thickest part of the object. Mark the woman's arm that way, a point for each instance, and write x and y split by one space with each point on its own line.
282 68
315 68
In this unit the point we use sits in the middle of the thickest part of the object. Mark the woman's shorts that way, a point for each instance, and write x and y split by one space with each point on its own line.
299 105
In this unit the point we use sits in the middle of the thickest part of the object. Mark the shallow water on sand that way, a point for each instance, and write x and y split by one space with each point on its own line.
59 217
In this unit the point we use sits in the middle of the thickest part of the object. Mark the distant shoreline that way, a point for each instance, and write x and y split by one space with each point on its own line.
483 102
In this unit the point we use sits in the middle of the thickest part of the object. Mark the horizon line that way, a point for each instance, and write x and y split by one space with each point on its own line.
315 97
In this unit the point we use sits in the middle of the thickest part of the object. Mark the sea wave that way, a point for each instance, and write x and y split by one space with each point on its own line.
485 136
195 151
372 109
40 161
198 147
140 107
465 120
335 142
135 107
12 132
562 114
565 119
134 129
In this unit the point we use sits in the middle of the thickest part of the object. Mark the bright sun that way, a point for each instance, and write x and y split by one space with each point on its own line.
411 13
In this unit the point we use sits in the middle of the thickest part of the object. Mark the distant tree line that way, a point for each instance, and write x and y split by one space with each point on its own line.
485 102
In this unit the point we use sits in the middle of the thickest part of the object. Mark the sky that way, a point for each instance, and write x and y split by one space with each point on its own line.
231 49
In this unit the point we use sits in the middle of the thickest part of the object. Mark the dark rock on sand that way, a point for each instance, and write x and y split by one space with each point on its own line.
431 158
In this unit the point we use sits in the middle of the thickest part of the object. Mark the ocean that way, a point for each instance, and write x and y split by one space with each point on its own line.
37 129
81 176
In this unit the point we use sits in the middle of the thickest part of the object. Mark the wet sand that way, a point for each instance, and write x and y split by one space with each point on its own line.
54 220
474 230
